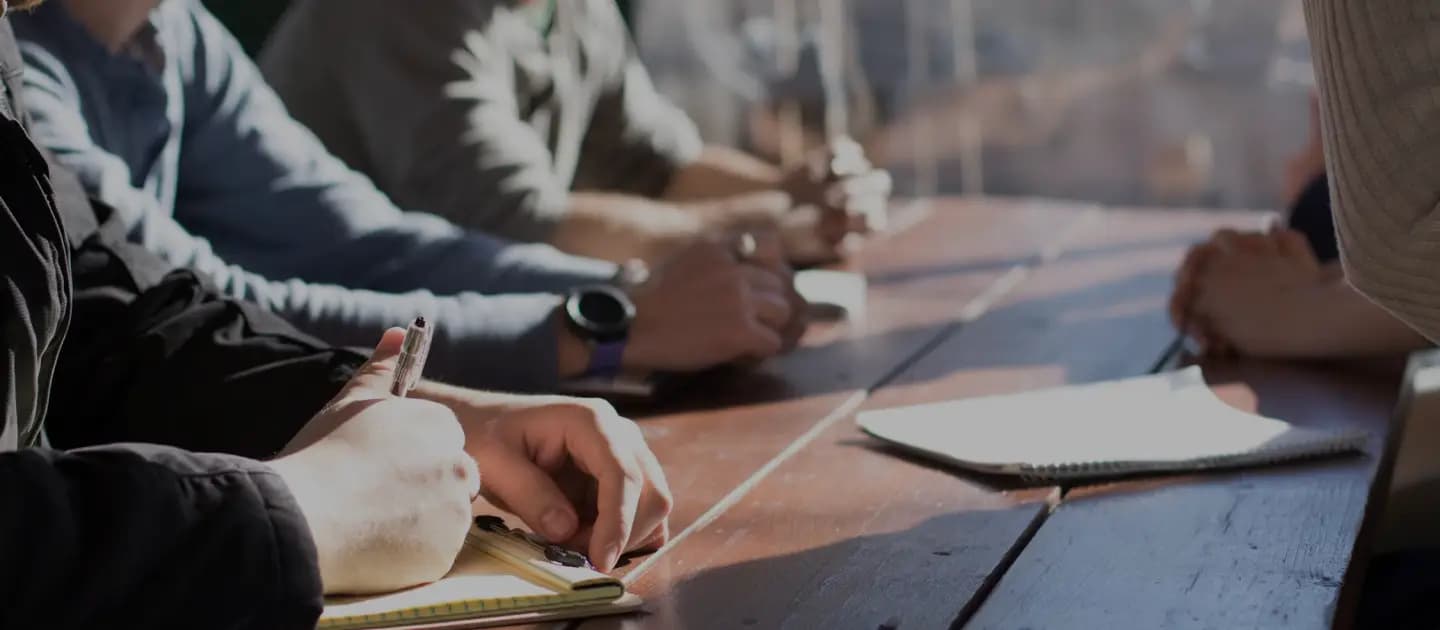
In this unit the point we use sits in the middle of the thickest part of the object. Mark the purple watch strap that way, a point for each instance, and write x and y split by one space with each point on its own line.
605 357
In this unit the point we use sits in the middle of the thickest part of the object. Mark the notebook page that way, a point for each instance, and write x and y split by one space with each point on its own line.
478 583
1127 425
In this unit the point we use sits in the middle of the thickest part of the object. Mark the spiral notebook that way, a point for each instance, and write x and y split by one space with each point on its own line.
502 577
1170 422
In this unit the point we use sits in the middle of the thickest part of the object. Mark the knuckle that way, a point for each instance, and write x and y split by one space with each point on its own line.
597 408
465 471
664 500
438 418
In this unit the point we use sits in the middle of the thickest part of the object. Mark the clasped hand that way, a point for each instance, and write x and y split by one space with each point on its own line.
1237 292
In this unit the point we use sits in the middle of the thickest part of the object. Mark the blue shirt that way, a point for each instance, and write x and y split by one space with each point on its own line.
182 137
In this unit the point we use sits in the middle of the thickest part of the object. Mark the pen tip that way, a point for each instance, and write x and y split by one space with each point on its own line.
420 321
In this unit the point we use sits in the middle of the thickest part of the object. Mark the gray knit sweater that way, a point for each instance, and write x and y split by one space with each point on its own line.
1378 67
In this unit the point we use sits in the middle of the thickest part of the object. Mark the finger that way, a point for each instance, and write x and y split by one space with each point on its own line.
377 373
617 501
517 484
865 221
1294 244
762 280
834 226
1185 278
759 341
1257 243
769 252
652 523
772 309
472 475
1225 240
656 539
799 320
872 183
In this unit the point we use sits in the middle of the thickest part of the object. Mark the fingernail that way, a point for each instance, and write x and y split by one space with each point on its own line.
612 556
557 524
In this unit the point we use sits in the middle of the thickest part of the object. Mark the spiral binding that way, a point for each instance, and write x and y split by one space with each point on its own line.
1263 457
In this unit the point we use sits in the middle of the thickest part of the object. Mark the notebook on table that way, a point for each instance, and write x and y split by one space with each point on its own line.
502 577
1170 422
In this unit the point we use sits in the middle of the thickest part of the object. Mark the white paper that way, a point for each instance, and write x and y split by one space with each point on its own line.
836 289
1168 421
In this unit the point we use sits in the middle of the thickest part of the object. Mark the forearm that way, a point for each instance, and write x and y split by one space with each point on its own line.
159 357
507 342
1377 68
151 536
621 227
722 172
1334 320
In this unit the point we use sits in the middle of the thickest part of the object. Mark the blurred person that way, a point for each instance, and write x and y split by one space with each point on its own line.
160 113
534 120
1377 70
168 455
1283 294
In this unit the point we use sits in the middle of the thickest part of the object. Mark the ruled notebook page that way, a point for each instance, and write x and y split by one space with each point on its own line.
1159 423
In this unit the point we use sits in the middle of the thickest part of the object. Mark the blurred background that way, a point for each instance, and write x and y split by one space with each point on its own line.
1126 102
1123 102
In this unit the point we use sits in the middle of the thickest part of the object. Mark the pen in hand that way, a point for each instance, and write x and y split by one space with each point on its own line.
413 352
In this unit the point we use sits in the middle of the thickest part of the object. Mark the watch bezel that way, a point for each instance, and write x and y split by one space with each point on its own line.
600 332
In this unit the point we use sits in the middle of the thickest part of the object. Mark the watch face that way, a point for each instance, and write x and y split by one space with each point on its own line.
603 312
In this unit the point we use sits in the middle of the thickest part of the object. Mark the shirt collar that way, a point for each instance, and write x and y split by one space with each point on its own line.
145 47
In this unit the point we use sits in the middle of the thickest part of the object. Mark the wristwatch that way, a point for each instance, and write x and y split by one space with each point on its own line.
601 314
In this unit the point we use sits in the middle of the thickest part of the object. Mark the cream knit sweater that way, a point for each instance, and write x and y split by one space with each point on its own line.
1378 66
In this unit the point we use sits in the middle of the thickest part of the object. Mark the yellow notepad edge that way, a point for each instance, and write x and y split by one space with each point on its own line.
464 609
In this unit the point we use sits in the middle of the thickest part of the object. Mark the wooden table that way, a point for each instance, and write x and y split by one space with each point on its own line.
788 517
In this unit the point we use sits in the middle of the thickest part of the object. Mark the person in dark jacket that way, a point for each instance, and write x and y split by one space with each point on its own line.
173 459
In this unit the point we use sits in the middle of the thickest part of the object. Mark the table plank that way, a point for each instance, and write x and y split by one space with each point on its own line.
750 418
1263 548
845 534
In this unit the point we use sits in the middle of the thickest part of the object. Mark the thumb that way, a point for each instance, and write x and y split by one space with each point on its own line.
1294 244
375 376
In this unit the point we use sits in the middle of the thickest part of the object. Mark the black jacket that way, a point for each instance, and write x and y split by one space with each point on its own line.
97 529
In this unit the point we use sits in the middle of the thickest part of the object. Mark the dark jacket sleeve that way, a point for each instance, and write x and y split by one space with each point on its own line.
156 355
141 536
138 536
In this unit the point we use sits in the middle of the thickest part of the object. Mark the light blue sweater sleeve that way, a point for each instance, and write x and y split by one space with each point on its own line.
353 264
252 173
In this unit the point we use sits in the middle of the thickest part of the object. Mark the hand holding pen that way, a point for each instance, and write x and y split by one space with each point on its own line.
383 482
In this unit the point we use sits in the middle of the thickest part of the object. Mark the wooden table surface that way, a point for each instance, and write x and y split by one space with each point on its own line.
787 516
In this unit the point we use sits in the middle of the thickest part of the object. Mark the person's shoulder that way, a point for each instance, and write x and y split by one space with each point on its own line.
601 15
468 13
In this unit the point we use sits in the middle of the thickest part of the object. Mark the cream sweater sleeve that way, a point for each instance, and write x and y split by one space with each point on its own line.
1378 67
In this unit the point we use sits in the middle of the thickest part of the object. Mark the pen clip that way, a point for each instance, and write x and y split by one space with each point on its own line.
553 553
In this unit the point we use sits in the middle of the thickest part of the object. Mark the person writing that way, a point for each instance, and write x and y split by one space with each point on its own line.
206 169
535 120
168 455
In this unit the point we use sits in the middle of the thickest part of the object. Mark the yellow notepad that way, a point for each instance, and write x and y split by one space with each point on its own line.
497 577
